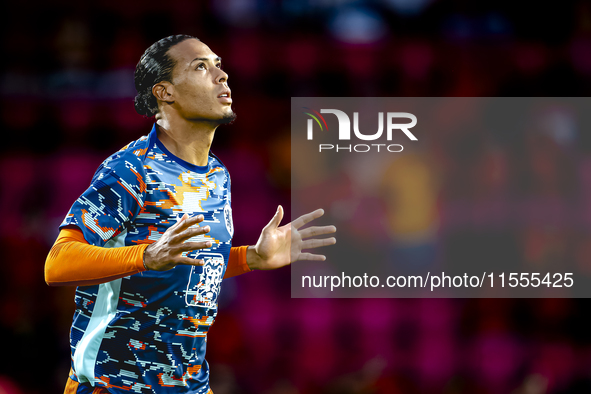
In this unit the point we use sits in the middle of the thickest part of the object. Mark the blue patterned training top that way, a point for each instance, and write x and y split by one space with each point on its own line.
146 333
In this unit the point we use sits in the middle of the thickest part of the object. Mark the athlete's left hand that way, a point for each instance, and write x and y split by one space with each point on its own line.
280 246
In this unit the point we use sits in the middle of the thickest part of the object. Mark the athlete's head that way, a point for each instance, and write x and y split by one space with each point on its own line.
181 74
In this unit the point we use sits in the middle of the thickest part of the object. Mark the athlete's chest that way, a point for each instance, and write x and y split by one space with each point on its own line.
171 192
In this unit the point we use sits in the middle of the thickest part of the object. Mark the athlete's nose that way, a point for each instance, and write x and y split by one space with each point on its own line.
223 78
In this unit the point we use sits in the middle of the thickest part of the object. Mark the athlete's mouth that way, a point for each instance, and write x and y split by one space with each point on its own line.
226 94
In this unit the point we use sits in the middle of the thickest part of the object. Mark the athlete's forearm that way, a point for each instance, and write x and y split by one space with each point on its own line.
73 262
237 263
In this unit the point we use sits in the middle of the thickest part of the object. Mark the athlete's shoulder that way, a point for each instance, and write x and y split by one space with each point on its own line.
137 148
134 152
214 161
129 159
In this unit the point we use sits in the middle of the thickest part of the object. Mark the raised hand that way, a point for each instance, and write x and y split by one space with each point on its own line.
165 253
280 246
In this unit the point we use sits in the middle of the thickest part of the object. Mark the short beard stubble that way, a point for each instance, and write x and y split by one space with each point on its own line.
228 118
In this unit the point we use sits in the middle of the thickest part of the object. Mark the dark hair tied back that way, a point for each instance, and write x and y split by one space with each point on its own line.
154 66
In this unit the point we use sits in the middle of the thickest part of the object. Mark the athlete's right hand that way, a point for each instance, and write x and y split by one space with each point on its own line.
165 253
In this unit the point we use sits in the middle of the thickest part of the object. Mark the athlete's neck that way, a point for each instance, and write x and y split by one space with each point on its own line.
189 141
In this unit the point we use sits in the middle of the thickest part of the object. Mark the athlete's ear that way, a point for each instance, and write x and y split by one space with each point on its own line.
164 91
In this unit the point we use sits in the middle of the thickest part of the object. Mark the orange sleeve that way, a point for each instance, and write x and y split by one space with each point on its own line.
237 262
73 262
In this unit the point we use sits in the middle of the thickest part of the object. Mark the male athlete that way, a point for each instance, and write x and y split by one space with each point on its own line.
150 240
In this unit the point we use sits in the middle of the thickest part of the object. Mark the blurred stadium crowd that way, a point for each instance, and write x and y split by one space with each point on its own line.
66 88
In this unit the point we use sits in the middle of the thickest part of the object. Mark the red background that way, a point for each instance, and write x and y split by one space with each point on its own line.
66 92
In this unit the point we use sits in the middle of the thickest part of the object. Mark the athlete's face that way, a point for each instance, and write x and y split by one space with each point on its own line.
200 85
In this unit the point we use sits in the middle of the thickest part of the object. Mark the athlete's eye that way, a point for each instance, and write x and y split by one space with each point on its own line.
200 66
219 65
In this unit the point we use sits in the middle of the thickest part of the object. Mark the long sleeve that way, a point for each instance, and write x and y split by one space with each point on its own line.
73 262
237 262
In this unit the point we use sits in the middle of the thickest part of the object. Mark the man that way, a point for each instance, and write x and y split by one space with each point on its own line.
150 240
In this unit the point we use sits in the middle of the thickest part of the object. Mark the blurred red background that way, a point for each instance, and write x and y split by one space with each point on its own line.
66 88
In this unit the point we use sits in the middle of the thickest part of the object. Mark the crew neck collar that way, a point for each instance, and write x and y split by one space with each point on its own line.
178 160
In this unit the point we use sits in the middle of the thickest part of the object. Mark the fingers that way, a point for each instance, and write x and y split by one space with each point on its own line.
193 232
276 220
311 257
185 222
317 230
189 261
189 246
179 222
316 243
299 222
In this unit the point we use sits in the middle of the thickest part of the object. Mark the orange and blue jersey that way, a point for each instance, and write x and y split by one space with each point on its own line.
146 333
